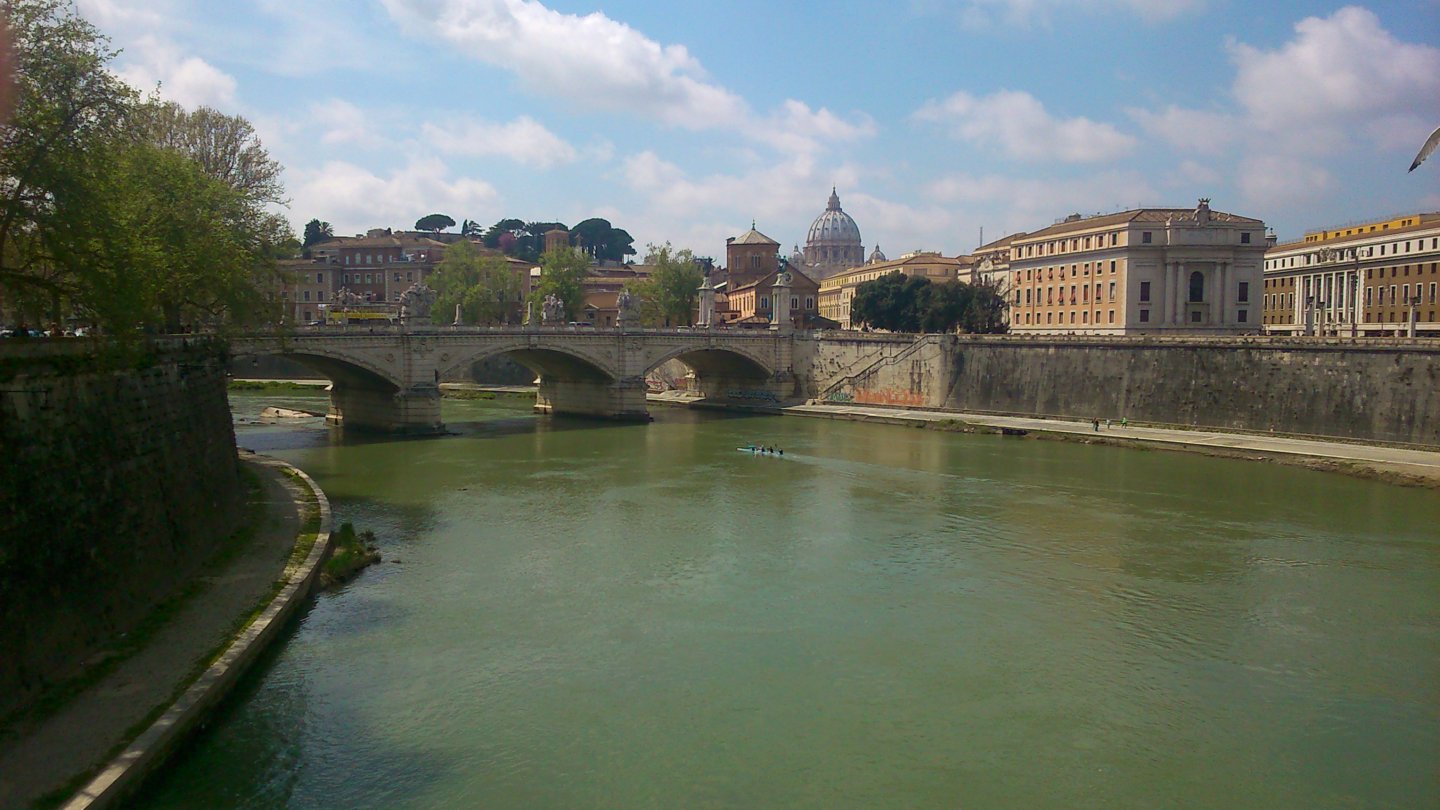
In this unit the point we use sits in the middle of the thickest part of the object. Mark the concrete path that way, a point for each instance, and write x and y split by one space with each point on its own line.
44 755
1419 463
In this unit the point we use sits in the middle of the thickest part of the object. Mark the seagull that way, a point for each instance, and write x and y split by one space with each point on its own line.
1430 144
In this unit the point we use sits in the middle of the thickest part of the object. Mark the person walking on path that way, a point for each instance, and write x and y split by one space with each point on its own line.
1095 424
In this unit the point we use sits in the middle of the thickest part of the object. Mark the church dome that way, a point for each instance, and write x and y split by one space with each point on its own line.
876 256
833 244
834 226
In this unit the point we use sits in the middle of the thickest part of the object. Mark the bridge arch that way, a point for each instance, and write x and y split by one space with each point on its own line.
556 362
366 392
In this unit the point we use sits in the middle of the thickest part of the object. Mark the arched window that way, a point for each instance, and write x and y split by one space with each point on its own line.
1197 287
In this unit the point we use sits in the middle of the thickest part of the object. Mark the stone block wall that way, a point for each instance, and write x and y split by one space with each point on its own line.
118 479
1368 389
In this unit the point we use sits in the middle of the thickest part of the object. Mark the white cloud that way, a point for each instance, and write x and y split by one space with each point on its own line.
1338 72
1030 203
979 14
1018 124
356 199
1272 181
345 123
797 128
523 140
1191 130
1192 174
595 62
591 60
187 80
110 15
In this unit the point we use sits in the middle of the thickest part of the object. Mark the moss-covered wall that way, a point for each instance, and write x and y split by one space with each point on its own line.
118 478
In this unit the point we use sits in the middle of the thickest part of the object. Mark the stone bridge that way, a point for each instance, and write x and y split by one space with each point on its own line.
388 380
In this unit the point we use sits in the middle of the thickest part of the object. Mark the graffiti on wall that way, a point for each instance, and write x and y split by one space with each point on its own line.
840 397
751 394
891 396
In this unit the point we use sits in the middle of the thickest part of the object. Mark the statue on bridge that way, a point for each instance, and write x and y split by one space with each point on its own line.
627 305
415 303
345 297
552 312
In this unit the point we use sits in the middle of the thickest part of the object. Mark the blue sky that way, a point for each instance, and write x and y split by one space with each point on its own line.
686 120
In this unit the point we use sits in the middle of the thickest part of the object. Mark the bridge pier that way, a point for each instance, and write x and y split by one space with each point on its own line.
604 399
415 410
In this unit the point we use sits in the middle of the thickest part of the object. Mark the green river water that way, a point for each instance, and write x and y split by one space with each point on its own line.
578 614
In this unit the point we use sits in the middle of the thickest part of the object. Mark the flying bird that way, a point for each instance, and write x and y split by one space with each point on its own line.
1430 144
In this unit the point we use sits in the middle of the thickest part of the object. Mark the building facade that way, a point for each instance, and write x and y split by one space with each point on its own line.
753 304
750 257
376 269
1143 271
837 291
1376 278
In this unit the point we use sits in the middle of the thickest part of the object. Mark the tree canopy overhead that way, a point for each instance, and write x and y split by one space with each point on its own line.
131 215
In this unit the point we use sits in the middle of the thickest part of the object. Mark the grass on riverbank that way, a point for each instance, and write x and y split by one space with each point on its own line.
350 553
273 385
471 393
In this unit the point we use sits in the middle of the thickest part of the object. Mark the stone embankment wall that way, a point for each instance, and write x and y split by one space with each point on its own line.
1370 389
119 478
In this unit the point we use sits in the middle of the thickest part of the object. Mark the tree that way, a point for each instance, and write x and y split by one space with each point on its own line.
511 227
154 242
225 146
434 223
561 274
881 303
316 232
915 304
602 241
471 228
110 209
485 287
68 105
986 313
668 295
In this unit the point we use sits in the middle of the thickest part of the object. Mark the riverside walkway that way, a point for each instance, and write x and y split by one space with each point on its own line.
172 677
1404 462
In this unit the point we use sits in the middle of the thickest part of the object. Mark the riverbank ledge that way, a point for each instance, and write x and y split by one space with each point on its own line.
1406 466
124 774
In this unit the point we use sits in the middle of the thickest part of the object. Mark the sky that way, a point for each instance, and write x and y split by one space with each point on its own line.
934 119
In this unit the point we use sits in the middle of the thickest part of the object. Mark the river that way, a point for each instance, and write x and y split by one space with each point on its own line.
575 614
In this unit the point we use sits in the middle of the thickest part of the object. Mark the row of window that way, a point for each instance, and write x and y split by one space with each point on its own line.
1078 294
1070 245
1395 249
1048 273
1403 291
1058 318
1374 296
376 258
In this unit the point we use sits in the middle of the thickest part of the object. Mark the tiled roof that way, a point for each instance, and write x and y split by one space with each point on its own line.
1157 215
754 237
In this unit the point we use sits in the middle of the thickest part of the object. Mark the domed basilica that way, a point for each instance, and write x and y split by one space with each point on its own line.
833 244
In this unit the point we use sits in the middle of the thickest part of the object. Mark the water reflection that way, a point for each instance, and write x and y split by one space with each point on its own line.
640 616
